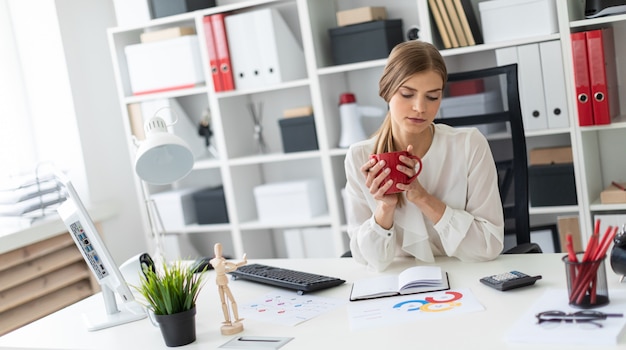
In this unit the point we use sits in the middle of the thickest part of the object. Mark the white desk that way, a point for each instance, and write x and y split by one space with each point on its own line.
477 330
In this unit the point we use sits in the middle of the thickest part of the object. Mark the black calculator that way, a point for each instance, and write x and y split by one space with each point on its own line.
509 280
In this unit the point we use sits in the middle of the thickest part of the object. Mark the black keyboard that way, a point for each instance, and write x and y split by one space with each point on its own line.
302 282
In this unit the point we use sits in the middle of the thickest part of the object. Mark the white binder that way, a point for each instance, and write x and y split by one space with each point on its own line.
531 88
244 50
281 56
554 84
263 50
506 56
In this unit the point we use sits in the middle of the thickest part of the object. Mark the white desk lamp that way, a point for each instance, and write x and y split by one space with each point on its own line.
161 159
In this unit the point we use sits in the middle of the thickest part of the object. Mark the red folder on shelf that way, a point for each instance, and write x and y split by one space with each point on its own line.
581 79
223 53
212 53
602 73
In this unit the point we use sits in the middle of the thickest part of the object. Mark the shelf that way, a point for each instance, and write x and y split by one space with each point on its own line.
167 94
597 21
553 210
338 152
195 228
241 170
597 206
272 88
203 164
352 67
257 225
533 133
618 122
273 158
497 45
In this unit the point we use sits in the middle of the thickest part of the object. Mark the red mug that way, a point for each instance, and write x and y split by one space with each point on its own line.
392 160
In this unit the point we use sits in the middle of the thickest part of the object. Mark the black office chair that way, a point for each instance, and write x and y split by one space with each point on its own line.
512 166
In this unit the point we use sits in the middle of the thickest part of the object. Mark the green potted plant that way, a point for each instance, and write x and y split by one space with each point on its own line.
171 293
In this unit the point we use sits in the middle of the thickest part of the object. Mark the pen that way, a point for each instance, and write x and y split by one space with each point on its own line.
618 185
258 339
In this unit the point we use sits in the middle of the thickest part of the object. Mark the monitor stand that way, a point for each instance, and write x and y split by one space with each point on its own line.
133 311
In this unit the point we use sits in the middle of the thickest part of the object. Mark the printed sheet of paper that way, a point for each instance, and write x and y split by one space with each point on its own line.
527 330
287 308
388 311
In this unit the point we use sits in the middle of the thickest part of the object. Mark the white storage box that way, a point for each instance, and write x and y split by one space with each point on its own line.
176 208
290 201
514 19
164 65
474 104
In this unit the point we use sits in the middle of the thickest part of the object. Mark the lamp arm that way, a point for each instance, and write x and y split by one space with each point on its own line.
157 229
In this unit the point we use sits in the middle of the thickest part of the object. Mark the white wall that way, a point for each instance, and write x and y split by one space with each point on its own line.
83 25
72 100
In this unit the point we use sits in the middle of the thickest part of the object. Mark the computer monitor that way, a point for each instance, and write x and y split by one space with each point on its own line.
98 258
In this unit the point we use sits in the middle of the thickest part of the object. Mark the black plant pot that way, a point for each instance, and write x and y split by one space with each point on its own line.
178 329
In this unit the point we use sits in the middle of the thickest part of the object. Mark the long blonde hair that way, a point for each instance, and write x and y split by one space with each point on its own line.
405 60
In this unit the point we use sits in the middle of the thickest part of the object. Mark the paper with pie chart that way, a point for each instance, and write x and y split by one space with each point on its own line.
388 311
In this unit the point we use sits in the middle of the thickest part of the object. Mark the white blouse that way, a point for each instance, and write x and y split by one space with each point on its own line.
459 170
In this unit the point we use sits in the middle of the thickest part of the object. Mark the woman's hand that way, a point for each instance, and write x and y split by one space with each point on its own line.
414 190
377 181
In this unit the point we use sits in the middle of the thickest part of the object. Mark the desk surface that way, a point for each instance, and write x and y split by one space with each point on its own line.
483 329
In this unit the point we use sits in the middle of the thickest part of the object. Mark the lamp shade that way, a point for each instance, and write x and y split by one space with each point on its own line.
163 157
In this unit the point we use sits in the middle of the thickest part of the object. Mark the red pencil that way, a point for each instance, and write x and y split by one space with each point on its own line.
589 272
618 185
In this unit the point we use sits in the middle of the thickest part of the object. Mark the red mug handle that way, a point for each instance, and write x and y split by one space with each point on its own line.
419 170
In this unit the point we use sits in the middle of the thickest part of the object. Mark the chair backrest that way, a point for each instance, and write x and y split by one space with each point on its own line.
496 106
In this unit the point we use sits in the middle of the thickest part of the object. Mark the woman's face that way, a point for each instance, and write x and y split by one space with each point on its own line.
414 105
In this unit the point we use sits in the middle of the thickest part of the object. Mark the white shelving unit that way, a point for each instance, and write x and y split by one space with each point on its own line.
239 167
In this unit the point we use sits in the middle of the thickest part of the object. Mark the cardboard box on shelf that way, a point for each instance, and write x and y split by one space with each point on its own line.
551 155
569 225
298 112
613 194
164 34
360 15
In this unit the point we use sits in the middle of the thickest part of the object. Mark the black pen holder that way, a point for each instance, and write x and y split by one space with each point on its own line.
586 282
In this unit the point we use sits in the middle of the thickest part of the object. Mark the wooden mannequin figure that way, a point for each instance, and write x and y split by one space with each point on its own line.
222 267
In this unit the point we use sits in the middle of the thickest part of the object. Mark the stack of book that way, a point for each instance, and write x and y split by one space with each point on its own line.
456 22
27 198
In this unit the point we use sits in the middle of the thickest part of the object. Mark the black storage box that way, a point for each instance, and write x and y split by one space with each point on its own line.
298 134
164 8
365 41
552 184
210 206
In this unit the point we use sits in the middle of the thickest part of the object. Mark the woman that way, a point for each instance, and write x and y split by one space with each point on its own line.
453 207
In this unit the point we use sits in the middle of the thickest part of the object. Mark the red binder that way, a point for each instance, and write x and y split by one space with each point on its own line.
223 53
600 55
581 79
212 52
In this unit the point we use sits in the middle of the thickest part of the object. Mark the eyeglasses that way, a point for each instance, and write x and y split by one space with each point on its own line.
586 317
